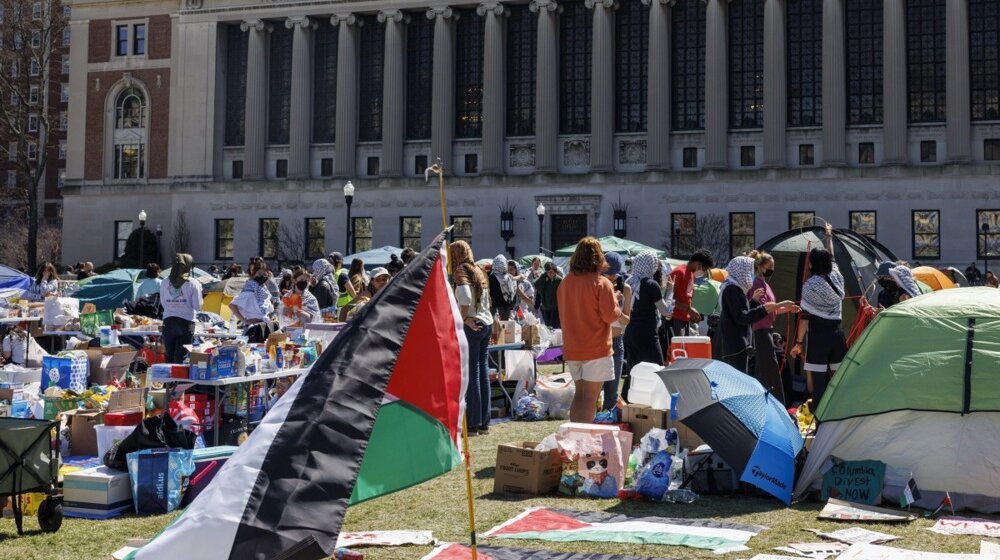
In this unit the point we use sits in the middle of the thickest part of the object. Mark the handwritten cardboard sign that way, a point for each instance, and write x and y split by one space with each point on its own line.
859 482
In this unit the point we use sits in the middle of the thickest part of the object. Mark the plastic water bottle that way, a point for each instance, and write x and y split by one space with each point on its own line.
680 496
113 336
232 324
105 335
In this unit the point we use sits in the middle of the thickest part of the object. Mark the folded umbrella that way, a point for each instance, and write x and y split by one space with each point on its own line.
739 419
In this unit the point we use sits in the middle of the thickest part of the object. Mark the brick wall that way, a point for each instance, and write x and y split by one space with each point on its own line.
157 82
99 42
159 37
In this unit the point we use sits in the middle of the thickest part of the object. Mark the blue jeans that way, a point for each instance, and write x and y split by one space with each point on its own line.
611 387
477 396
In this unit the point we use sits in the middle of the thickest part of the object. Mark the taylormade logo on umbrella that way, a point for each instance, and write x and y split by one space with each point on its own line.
757 473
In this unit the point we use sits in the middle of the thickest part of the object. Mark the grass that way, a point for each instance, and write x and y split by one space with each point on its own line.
440 506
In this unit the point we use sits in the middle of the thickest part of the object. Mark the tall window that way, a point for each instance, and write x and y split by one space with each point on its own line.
280 85
121 40
370 76
688 65
139 39
864 222
410 233
684 230
419 69
926 234
800 220
864 61
742 233
225 234
631 68
746 64
362 235
122 230
989 241
268 238
469 74
925 63
576 38
522 47
984 59
236 84
463 229
325 84
129 149
315 238
805 62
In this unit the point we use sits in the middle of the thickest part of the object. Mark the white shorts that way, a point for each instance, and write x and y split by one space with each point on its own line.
597 371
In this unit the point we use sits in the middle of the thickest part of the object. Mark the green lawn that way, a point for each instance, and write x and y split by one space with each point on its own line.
440 506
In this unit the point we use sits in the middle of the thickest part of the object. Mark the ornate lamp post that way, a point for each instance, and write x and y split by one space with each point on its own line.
142 237
985 228
507 227
620 219
541 224
349 198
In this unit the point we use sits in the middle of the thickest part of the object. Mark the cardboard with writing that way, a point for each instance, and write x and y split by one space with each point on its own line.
858 482
522 470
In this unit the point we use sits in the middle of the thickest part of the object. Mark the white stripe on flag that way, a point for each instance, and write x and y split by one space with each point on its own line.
208 527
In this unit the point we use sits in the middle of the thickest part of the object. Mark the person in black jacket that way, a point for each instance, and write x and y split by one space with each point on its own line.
325 287
739 312
503 289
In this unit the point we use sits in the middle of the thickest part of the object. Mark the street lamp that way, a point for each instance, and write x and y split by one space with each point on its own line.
541 222
349 198
985 228
620 219
159 244
507 227
142 236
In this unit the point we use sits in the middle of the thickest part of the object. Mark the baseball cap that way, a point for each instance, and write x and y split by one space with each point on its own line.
380 271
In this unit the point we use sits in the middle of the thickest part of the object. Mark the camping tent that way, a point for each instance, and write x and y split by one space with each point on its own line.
919 391
374 257
933 277
217 297
525 261
11 278
111 290
616 244
857 257
196 273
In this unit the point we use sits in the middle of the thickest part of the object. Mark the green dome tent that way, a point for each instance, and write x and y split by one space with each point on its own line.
616 244
920 391
111 290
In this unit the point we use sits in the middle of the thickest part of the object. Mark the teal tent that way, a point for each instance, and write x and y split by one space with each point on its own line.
616 244
111 290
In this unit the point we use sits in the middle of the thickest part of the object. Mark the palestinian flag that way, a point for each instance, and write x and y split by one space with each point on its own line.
454 551
569 526
380 411
910 493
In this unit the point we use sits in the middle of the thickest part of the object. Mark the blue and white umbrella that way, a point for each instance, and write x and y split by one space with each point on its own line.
741 421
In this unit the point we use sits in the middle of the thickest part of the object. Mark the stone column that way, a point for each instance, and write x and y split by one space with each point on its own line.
716 86
957 93
659 93
775 88
834 85
602 87
346 133
894 100
443 102
393 92
494 89
546 88
255 135
300 125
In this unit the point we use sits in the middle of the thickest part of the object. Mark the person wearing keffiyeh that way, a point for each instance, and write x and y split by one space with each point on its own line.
642 344
739 312
897 284
822 299
503 289
324 287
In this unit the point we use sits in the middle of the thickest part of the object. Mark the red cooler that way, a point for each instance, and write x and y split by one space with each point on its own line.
689 347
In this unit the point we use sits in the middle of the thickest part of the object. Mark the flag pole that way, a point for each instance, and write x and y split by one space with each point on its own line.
438 168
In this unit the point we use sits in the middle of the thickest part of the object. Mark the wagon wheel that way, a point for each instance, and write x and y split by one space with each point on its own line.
50 515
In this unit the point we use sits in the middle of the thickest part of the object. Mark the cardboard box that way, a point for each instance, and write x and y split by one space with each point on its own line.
82 436
97 493
5 410
159 397
531 336
221 361
522 470
511 332
127 399
275 339
643 418
108 363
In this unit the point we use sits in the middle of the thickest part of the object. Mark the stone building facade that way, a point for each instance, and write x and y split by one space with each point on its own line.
651 118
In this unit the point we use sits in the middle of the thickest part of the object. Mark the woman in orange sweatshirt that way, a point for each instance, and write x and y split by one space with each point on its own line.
588 306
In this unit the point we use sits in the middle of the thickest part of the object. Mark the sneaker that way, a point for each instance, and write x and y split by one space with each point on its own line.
484 430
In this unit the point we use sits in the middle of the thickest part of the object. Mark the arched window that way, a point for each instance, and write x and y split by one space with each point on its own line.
631 68
129 142
805 62
688 65
864 61
925 60
576 36
522 44
469 74
746 64
984 59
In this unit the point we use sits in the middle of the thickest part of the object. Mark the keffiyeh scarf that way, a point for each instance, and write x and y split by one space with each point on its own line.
903 278
507 283
644 266
822 296
740 274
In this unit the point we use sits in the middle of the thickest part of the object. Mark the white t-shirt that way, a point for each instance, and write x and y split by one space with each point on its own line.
16 346
183 303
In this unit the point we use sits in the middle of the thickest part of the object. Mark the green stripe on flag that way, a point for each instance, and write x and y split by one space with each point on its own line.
406 447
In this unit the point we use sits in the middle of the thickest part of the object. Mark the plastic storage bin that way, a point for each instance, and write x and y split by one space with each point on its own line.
647 388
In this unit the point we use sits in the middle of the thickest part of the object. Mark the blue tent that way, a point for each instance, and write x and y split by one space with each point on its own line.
111 290
374 257
11 278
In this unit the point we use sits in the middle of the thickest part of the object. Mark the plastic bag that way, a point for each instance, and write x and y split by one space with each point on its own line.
558 397
159 478
530 409
61 311
156 432
520 364
653 480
